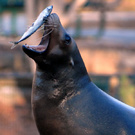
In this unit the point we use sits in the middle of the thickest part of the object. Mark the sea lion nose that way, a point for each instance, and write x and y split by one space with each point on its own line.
53 19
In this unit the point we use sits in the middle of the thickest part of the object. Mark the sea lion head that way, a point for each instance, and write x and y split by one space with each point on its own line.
57 48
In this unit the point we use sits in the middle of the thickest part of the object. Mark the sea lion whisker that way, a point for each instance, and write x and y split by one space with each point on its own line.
42 27
48 25
44 35
48 32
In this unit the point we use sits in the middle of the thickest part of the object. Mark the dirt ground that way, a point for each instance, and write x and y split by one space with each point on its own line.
15 114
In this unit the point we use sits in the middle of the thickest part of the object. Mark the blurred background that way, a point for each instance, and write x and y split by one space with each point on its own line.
105 34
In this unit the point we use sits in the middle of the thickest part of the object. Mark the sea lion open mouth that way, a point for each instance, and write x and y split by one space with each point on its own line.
55 42
43 44
49 26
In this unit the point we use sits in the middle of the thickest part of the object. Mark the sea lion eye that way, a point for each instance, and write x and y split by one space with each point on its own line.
67 39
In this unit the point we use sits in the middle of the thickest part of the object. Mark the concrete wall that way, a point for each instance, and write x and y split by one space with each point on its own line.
104 58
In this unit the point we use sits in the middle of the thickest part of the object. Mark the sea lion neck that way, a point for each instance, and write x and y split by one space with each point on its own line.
59 66
60 80
63 67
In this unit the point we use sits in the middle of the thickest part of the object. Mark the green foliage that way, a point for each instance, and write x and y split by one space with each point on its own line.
11 2
127 90
11 5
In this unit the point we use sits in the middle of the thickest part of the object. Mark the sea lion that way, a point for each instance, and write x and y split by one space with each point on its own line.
64 99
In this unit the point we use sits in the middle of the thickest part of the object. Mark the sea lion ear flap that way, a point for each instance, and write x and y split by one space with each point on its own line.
71 62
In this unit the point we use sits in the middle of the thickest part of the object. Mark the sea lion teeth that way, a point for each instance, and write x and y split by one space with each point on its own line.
37 47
